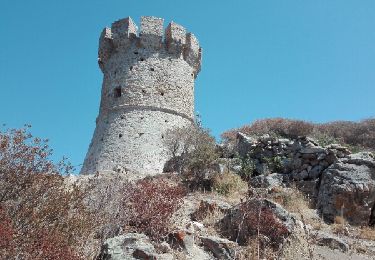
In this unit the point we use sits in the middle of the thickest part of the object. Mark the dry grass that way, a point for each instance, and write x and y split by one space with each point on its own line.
367 233
291 199
250 252
229 184
298 203
211 219
340 220
340 226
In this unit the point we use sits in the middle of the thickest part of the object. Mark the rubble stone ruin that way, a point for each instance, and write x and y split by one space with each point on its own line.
148 89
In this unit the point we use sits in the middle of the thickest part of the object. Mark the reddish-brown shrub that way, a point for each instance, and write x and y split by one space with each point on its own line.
6 234
361 134
274 126
42 209
50 246
254 220
259 218
151 204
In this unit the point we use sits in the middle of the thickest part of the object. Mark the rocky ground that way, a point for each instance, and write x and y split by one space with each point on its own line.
303 201
198 235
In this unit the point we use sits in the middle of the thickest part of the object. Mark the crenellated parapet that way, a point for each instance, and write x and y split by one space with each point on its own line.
175 40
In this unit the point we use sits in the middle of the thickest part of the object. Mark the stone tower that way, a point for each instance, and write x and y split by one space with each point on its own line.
148 89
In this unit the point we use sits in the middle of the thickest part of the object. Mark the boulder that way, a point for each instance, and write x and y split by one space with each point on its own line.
316 171
362 158
244 143
224 165
331 241
221 248
185 240
313 149
347 189
309 188
298 176
266 181
130 246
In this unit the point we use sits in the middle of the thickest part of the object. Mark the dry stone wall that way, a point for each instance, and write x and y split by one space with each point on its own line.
338 183
148 89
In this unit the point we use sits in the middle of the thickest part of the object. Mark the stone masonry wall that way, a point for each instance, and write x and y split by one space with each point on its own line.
148 89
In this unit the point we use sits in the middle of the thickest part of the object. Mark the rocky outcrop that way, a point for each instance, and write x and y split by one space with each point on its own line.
130 246
347 189
267 181
185 241
221 248
279 161
302 158
331 241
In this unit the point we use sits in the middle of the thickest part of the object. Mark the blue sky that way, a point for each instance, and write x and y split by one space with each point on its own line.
311 60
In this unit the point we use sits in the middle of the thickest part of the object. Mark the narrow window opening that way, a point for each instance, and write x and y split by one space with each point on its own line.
162 136
162 93
142 117
152 69
142 59
136 53
192 74
166 121
120 135
143 91
117 92
131 67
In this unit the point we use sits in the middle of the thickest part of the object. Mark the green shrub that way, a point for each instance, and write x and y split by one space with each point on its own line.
247 167
274 163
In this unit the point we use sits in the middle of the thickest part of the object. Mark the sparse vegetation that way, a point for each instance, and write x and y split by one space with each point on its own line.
247 167
274 127
150 205
227 183
255 220
193 152
290 198
367 233
41 218
356 135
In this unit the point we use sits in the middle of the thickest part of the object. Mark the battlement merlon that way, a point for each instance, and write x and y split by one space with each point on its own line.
105 47
177 40
123 31
151 34
193 53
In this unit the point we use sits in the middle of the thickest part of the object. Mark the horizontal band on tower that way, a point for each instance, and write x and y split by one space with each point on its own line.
127 108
